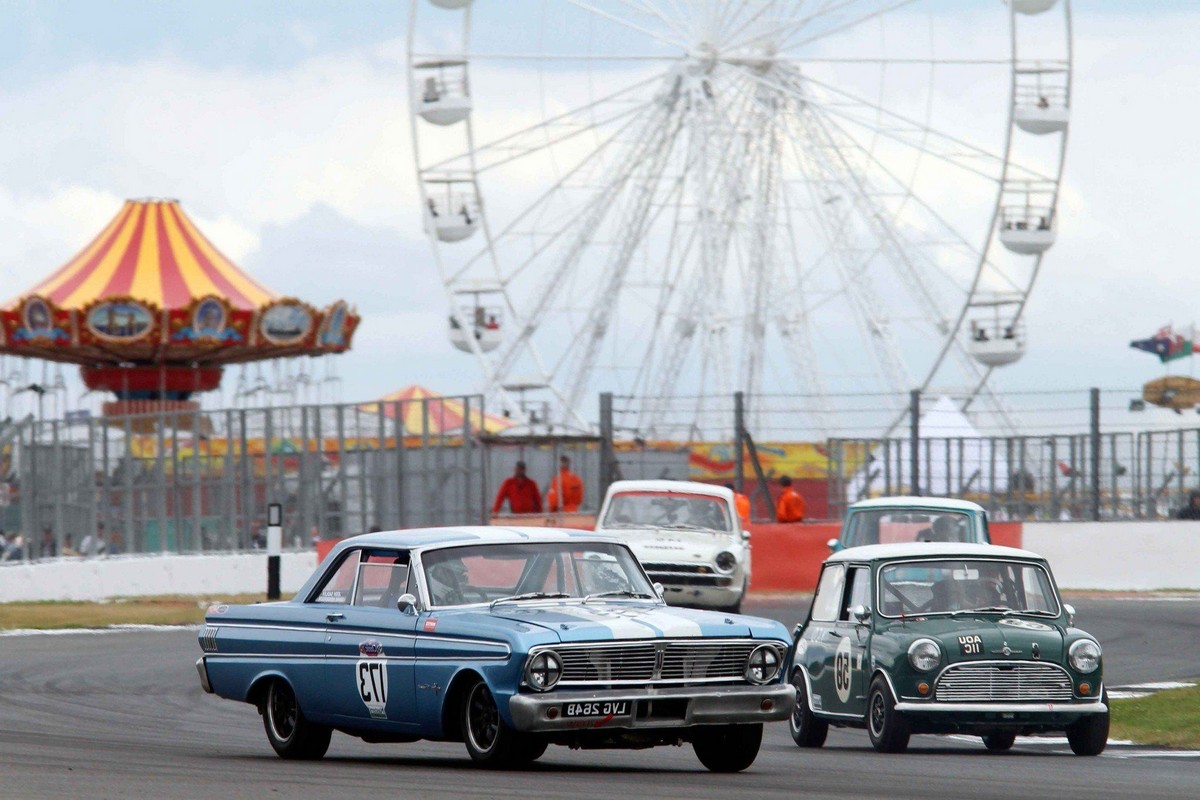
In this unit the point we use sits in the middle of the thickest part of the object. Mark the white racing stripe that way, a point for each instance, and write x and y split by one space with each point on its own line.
635 622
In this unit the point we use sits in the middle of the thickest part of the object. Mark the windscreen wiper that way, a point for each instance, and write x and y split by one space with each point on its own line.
528 596
618 593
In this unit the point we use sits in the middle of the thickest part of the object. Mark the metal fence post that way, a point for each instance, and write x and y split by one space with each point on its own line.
606 443
914 440
739 440
1095 454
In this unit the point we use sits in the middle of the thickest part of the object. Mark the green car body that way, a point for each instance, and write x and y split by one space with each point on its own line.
996 652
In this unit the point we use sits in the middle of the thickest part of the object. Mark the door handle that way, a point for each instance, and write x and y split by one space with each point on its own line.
334 616
835 634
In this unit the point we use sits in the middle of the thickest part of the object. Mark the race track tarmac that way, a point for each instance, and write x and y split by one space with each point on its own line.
121 715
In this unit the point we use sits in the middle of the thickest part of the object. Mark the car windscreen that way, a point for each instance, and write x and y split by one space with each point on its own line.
667 510
957 586
484 573
895 526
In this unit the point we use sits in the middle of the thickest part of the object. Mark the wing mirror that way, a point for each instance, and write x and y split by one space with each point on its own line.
659 590
1070 609
861 613
833 545
407 604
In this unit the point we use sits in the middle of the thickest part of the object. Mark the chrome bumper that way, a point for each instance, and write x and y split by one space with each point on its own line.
701 706
1003 708
202 668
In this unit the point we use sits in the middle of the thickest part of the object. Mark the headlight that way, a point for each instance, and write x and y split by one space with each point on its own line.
924 654
726 561
763 664
543 671
1085 655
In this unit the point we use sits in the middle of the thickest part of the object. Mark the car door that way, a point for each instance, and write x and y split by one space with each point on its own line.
370 646
821 638
853 638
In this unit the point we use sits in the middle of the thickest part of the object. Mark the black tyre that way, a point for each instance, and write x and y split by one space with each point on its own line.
728 748
888 729
807 730
490 741
289 732
999 742
1089 735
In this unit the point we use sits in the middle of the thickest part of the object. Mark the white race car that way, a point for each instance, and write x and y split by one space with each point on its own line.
688 537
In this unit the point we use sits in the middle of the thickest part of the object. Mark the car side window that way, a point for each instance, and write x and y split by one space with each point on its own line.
382 578
338 585
857 592
829 594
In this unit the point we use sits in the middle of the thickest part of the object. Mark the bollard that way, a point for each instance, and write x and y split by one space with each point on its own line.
274 547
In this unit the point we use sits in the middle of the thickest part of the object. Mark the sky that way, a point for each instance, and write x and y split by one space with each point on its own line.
283 128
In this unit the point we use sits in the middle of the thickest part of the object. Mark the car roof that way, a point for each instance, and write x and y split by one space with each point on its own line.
918 502
432 538
889 552
686 487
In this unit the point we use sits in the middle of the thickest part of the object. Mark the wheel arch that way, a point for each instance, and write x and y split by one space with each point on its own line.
456 693
256 694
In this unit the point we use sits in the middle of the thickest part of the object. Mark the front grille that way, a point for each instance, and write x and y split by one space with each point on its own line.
685 575
640 663
1004 682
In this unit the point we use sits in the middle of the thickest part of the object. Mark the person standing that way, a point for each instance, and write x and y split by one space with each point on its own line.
1192 509
567 486
521 493
742 503
790 506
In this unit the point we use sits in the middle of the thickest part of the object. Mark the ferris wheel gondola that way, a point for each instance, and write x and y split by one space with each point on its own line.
693 199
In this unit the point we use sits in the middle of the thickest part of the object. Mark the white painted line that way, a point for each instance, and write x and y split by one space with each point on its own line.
96 631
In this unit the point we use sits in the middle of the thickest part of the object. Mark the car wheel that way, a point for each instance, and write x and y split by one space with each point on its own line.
807 730
1089 735
490 741
289 731
888 729
999 742
728 748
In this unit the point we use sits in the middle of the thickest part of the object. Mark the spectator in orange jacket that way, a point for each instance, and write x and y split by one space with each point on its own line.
568 486
521 492
742 503
790 506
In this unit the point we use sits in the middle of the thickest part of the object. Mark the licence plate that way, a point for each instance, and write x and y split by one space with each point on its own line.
598 709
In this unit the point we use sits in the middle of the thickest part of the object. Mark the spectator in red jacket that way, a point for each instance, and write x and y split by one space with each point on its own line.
521 492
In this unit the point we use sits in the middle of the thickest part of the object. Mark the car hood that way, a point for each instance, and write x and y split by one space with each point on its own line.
1019 634
658 544
603 621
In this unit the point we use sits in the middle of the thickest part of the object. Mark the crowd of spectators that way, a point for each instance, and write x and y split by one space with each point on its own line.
13 546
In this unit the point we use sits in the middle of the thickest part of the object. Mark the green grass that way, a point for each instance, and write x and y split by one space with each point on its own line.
1169 719
164 610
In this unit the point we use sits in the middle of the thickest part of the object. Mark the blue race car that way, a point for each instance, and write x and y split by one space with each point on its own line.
507 640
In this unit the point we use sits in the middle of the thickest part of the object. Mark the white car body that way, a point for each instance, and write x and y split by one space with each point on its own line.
685 561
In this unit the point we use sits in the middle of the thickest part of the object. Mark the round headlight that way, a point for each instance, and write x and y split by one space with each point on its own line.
1085 655
726 561
763 664
543 671
924 654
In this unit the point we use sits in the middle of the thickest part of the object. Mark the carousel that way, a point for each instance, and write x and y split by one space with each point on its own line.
152 313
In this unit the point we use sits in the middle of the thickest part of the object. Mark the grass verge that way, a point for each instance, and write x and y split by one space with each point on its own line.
1169 718
164 610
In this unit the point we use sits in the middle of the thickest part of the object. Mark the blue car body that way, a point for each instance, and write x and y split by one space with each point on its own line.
423 656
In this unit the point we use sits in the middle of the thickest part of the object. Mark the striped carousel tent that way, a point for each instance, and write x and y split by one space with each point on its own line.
151 252
445 415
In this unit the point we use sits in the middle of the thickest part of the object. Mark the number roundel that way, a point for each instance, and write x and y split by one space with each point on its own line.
373 686
842 670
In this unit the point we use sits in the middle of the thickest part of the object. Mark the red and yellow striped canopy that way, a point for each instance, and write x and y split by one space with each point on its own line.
151 252
445 414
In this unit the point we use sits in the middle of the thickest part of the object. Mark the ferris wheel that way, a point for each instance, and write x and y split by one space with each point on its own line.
664 199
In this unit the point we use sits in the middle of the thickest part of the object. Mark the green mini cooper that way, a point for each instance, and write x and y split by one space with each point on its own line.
944 638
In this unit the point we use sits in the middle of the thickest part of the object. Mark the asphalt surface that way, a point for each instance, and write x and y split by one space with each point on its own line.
121 715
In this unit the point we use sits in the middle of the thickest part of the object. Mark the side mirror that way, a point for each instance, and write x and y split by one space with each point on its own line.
833 545
1070 609
407 604
745 534
861 613
659 590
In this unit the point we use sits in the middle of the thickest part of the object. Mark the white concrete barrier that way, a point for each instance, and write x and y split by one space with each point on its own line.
1119 556
138 576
